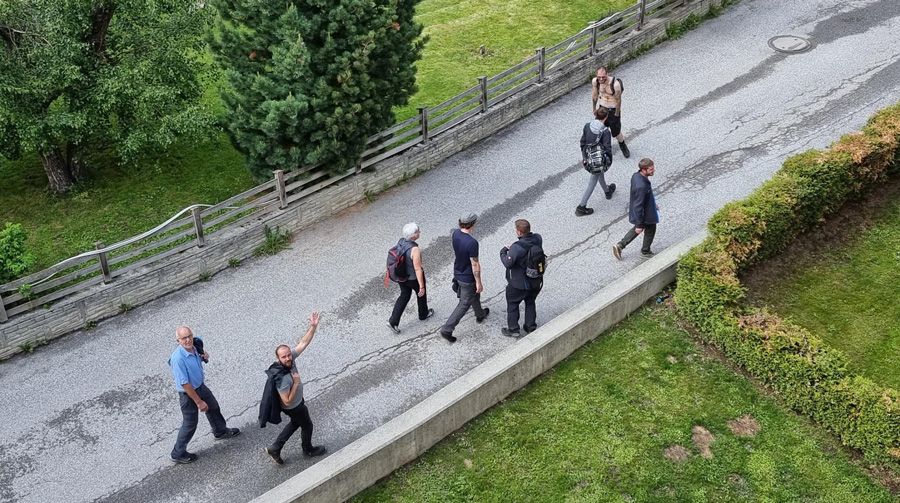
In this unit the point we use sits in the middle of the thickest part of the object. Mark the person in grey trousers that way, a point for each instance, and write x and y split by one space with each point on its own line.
596 139
467 275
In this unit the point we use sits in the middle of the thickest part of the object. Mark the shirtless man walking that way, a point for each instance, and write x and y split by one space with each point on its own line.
606 92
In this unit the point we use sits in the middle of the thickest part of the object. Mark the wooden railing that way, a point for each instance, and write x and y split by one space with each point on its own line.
194 225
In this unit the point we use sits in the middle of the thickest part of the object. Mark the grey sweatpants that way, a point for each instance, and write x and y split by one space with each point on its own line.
595 179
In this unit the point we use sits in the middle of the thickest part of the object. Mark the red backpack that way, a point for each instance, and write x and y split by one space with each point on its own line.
396 265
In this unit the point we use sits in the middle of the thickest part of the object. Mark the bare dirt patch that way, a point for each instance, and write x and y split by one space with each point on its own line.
703 439
744 426
677 453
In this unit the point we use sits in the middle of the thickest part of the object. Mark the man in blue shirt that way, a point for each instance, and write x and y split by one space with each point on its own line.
186 363
643 212
467 273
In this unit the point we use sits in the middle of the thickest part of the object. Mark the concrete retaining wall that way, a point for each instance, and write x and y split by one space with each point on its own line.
404 438
163 277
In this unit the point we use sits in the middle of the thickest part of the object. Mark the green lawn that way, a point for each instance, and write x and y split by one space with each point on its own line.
596 427
848 296
119 202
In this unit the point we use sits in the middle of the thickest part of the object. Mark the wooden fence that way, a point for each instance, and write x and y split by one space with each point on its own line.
194 225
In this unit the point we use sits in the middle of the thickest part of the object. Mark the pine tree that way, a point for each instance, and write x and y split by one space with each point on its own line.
82 75
310 80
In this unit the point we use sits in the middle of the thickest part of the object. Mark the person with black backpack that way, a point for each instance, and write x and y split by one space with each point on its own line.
525 264
596 157
404 267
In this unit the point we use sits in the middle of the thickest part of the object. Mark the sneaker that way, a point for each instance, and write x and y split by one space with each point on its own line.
609 193
315 451
625 152
429 315
275 455
510 333
487 311
395 328
647 254
581 211
189 457
617 251
229 432
449 337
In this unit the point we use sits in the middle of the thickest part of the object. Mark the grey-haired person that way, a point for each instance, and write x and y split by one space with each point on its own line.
410 250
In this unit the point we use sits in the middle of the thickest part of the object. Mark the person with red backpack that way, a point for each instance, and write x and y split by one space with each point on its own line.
404 267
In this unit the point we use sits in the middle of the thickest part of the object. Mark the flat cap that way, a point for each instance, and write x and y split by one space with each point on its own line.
468 219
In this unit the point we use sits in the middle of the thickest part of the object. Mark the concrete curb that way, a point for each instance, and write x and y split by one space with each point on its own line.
404 438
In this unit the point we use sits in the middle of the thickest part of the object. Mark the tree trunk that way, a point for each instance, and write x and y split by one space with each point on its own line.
58 170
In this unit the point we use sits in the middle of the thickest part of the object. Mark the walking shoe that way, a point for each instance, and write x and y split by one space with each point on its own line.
429 315
315 451
449 337
609 193
229 432
581 211
625 152
510 333
617 251
275 455
487 311
647 254
189 457
528 330
395 328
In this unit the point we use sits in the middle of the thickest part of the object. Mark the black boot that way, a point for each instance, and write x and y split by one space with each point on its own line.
609 193
581 211
624 149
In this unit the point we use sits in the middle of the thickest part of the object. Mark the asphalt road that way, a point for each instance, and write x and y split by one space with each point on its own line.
93 416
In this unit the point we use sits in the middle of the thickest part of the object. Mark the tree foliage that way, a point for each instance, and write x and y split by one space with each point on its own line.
15 259
311 80
81 75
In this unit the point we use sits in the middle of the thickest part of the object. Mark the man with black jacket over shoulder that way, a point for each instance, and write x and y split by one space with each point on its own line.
290 393
519 286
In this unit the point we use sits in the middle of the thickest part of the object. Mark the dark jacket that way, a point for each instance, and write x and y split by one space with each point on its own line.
270 404
589 137
641 202
514 260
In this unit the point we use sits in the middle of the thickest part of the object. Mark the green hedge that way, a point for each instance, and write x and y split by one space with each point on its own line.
15 259
811 377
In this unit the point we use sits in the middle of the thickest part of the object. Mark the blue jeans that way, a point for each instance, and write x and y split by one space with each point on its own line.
189 414
596 178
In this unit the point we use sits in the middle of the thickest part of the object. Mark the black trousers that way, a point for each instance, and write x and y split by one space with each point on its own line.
299 416
649 233
407 290
514 297
190 414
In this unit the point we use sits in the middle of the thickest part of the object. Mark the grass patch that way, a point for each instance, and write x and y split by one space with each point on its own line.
847 292
276 241
598 426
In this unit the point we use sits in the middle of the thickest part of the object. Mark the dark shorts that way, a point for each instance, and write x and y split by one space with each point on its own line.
613 122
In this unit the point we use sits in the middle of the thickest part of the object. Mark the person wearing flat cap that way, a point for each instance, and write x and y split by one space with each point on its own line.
467 275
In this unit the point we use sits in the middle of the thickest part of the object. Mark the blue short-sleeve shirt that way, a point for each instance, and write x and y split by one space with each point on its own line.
465 247
187 368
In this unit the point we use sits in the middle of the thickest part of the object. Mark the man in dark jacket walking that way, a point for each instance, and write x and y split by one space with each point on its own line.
596 157
519 286
643 211
290 393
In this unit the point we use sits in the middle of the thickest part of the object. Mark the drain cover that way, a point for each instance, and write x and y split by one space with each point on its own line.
790 44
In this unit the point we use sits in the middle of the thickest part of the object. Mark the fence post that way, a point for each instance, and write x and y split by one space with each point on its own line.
104 263
592 47
198 226
280 188
482 83
423 119
3 316
541 56
642 9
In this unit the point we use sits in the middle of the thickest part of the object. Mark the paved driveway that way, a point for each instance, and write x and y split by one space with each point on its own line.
93 416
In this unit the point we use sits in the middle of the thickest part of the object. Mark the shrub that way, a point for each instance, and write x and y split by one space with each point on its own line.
15 260
809 376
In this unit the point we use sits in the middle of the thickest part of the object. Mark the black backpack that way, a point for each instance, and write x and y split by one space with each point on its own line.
535 262
396 265
597 160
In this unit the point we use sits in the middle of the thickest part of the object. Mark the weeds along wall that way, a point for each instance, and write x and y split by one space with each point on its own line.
809 376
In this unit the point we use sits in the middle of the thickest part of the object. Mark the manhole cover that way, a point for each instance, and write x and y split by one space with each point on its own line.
790 44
